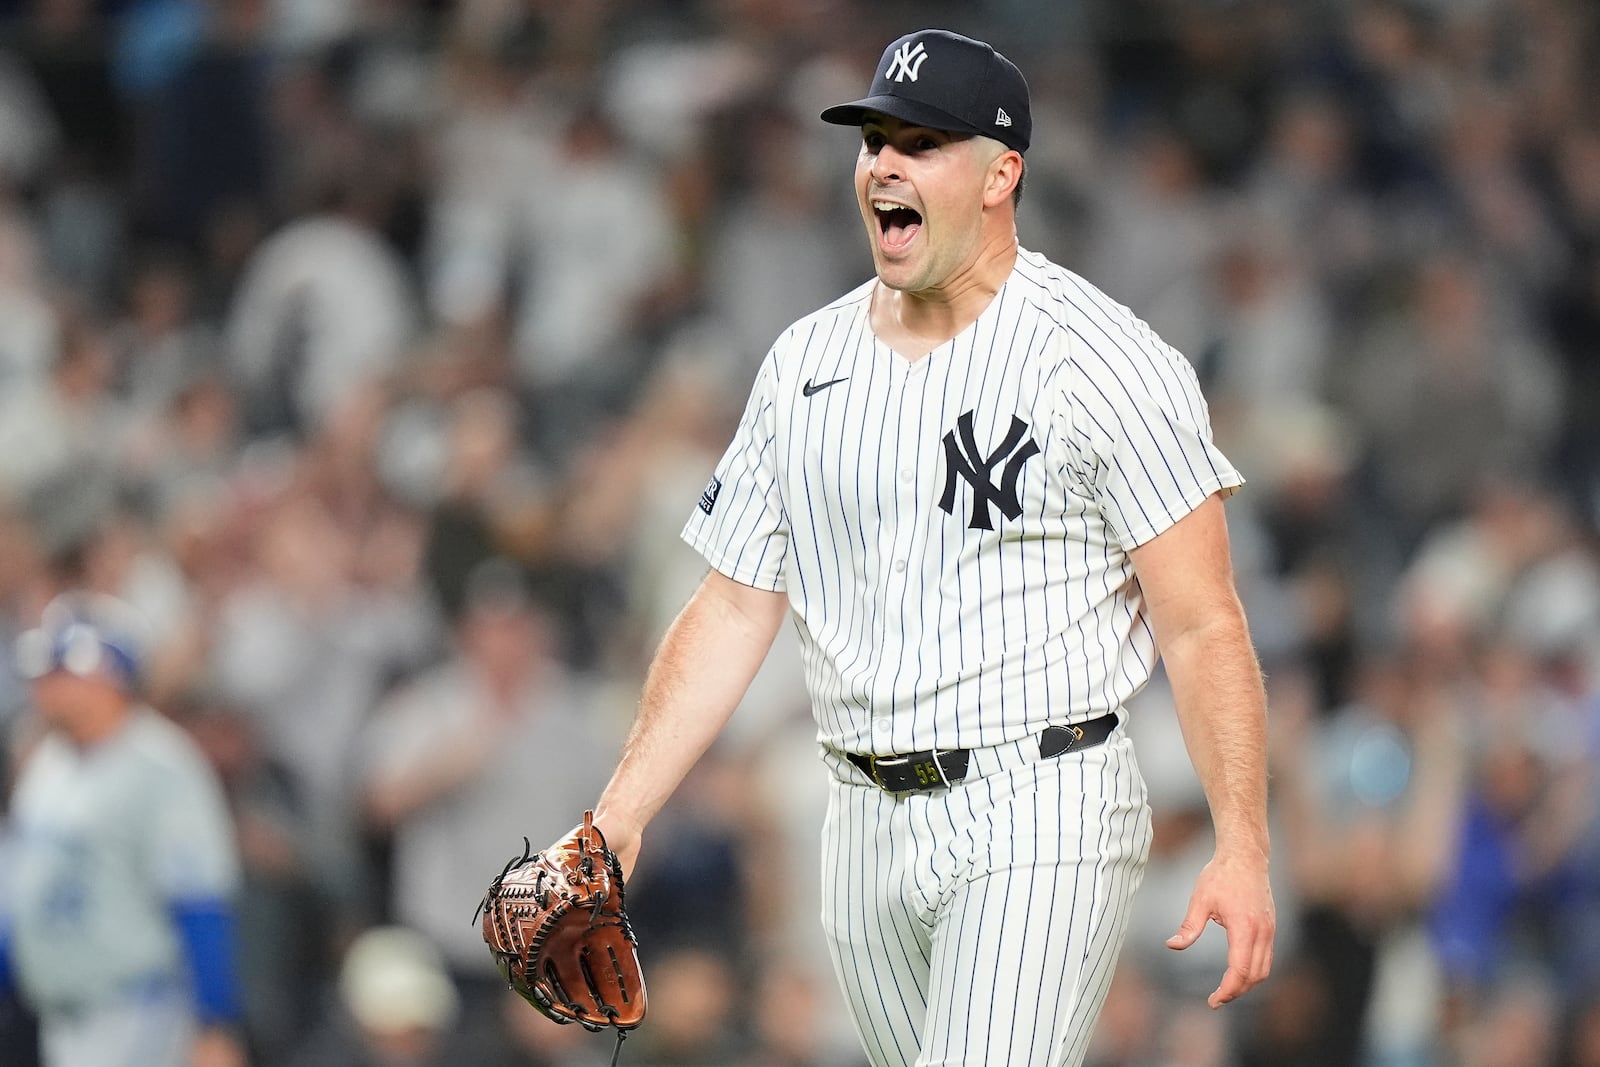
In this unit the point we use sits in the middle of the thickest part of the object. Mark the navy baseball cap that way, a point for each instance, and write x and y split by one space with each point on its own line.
942 80
85 634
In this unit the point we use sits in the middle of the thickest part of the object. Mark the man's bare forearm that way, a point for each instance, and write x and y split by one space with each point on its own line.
1221 705
1186 574
705 663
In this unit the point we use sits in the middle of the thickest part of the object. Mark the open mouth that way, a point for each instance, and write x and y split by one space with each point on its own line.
897 224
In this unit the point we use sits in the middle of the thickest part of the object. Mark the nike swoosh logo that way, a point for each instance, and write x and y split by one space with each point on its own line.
812 390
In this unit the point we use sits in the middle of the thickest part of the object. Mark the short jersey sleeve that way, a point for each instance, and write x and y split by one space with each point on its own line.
1133 412
739 524
192 854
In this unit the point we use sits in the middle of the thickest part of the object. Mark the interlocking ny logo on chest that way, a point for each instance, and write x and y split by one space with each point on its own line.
964 459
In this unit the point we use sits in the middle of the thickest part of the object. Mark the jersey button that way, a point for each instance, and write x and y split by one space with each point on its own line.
907 474
899 565
882 725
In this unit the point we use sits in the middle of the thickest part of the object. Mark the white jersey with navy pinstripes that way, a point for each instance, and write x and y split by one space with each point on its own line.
953 532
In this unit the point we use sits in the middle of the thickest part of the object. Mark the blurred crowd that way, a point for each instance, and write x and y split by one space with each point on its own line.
378 349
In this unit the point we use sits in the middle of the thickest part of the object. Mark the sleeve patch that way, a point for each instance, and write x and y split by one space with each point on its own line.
708 499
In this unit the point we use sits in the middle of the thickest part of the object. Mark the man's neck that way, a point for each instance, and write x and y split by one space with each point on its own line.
914 324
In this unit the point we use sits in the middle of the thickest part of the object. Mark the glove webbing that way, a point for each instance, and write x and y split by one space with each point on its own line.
500 879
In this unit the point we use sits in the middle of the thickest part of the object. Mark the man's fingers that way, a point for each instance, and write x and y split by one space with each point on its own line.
1233 984
1249 961
1261 964
1242 944
1183 938
1191 928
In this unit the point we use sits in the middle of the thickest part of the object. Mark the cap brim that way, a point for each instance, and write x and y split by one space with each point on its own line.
918 114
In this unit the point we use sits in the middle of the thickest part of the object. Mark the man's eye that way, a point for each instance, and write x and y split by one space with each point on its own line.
926 144
873 141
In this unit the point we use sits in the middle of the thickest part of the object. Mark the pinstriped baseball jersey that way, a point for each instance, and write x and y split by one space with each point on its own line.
953 533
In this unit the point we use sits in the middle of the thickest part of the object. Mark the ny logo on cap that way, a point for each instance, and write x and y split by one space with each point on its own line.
907 62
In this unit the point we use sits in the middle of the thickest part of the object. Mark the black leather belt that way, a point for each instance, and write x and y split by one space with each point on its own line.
920 772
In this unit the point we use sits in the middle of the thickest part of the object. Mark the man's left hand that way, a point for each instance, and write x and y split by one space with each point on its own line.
1233 893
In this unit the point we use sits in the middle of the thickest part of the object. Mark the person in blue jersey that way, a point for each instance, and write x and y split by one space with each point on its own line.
119 931
988 498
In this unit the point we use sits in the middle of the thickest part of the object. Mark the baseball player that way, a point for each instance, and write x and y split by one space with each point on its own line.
121 927
987 495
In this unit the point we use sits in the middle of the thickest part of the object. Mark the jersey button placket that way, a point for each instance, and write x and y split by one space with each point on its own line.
900 517
908 509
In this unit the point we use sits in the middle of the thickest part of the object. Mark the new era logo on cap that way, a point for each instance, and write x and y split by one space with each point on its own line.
942 80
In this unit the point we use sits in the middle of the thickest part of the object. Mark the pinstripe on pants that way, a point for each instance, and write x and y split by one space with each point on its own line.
979 926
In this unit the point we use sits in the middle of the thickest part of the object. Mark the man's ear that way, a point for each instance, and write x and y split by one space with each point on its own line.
1005 171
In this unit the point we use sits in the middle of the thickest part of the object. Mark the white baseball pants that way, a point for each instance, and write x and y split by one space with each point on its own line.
979 926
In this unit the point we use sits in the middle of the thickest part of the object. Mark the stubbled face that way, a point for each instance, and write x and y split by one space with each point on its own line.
920 191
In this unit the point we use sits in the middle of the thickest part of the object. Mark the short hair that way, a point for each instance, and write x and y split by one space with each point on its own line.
1016 190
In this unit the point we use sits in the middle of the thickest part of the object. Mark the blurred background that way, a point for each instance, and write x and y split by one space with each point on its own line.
378 349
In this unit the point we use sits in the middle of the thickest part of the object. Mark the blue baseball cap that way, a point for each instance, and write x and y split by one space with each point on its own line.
942 80
85 634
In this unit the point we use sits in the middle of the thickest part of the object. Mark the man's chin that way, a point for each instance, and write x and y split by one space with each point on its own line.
899 274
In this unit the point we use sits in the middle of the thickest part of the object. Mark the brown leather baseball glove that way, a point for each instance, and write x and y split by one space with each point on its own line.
556 925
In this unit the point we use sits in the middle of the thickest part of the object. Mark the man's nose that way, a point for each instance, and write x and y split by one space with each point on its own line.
887 165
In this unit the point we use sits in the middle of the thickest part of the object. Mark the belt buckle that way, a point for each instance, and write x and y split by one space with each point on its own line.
924 765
